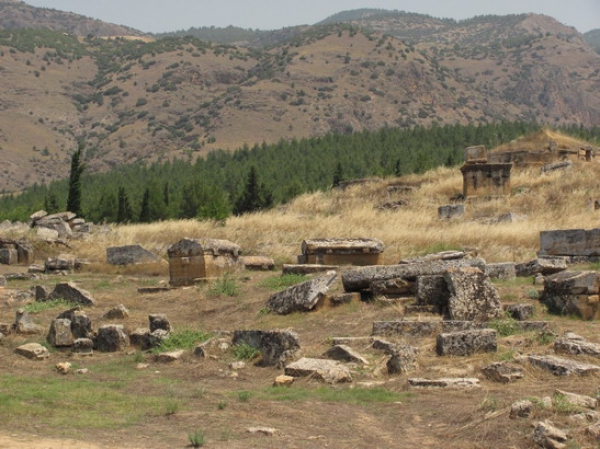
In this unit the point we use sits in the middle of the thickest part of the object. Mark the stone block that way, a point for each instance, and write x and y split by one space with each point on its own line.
392 288
8 256
159 321
130 255
258 263
473 297
81 325
519 312
403 359
560 366
573 293
69 291
433 291
83 346
502 372
476 155
342 251
324 370
111 338
301 297
506 270
466 343
544 266
345 353
33 351
450 211
307 268
570 242
60 334
276 347
444 382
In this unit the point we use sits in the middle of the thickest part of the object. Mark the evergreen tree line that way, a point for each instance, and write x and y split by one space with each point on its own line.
258 177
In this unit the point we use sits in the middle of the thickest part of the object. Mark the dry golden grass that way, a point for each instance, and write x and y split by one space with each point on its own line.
556 200
540 140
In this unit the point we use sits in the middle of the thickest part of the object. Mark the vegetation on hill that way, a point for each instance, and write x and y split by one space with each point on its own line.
593 38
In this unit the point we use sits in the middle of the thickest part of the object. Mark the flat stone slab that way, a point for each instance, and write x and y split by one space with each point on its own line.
444 382
502 372
560 366
258 263
324 370
422 328
466 343
307 268
572 344
345 353
130 255
33 351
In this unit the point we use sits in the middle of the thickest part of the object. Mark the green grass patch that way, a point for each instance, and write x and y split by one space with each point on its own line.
282 282
244 351
226 285
42 306
327 394
184 339
197 438
505 326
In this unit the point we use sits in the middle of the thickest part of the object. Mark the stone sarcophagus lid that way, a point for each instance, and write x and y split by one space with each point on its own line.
570 242
342 252
197 259
476 155
481 180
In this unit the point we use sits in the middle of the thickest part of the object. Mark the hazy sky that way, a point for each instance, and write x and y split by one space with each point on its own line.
172 15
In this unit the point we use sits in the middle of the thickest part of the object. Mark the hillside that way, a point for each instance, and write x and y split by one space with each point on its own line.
135 101
593 38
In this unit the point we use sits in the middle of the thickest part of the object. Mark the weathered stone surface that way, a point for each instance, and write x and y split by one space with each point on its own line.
170 356
519 312
544 266
571 344
418 309
422 328
258 263
472 295
24 324
344 298
195 247
444 382
70 292
283 381
384 345
437 257
357 279
33 351
308 268
83 346
521 409
593 431
548 436
81 325
486 180
573 293
574 399
36 269
505 270
353 341
277 347
212 346
139 337
345 353
111 338
62 227
50 235
392 288
503 372
63 367
466 342
449 211
301 297
328 371
159 321
41 293
560 366
403 359
2 281
570 242
433 290
342 251
130 255
116 313
60 333
8 256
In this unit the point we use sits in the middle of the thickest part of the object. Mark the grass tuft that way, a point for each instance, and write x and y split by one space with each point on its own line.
244 351
197 438
226 285
38 307
184 339
282 282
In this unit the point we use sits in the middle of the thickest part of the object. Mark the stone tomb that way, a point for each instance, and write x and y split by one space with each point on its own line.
482 180
197 259
342 252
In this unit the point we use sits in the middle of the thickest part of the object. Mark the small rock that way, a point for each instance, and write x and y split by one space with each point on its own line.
328 371
345 353
141 366
283 381
237 365
63 367
503 372
169 357
576 400
268 431
117 313
521 409
81 371
33 351
159 321
548 436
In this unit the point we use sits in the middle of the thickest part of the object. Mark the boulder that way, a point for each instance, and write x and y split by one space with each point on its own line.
159 321
42 293
466 343
573 293
70 292
46 234
324 370
62 262
548 436
111 338
33 351
344 298
344 353
503 372
83 346
403 359
574 399
283 381
276 347
130 255
450 211
433 291
56 224
572 344
24 324
81 325
473 297
521 409
519 312
60 334
116 313
301 297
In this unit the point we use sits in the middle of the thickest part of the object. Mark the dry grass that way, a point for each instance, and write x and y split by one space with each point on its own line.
556 200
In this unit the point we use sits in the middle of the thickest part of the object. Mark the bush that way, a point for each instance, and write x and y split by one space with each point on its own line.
197 438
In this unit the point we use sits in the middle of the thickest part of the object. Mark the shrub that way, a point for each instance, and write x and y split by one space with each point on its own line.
197 438
244 351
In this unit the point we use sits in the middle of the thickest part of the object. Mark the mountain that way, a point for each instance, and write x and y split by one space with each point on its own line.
593 38
140 100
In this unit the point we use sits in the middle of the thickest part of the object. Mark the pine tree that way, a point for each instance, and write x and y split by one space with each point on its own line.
256 196
338 175
51 203
124 212
77 169
145 207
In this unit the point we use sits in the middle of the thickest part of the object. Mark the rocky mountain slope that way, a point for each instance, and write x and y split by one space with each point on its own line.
138 101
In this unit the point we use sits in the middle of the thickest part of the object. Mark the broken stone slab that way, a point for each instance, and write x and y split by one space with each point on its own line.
169 356
521 409
111 338
360 278
444 382
422 328
342 246
324 370
130 255
519 312
81 325
570 242
308 268
403 359
24 324
533 326
70 292
573 293
213 345
33 351
574 399
60 334
258 263
502 372
49 235
41 293
562 165
571 344
196 247
450 211
560 366
440 256
301 297
466 343
345 353
548 436
353 341
276 347
83 346
8 256
159 321
505 270
392 288
384 345
116 313
544 266
344 298
417 309
473 297
62 227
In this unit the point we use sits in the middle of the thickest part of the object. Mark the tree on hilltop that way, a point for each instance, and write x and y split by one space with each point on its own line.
77 169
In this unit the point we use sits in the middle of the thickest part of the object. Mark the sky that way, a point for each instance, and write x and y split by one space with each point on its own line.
156 16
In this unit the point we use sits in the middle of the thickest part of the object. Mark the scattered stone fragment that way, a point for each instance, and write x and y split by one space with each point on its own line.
436 257
543 266
111 338
24 324
301 297
324 370
268 431
170 356
403 359
42 293
258 263
81 325
392 288
60 334
466 343
384 345
72 293
63 367
344 298
237 365
81 371
33 351
444 382
276 347
141 366
576 400
560 366
345 353
521 409
472 295
116 313
159 321
505 270
519 312
83 346
130 255
572 344
283 381
548 436
503 372
584 418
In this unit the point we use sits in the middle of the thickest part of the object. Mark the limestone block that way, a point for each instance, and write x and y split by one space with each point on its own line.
505 270
8 256
472 295
130 255
560 366
345 353
503 372
69 291
83 346
466 343
403 359
33 351
159 321
111 338
433 290
450 211
301 297
328 371
276 347
519 312
60 333
444 382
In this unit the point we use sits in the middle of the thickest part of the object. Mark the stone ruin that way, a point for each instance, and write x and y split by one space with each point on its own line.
62 225
577 245
16 252
481 178
340 251
191 260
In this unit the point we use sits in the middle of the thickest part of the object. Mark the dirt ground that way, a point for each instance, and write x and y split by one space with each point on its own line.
208 391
